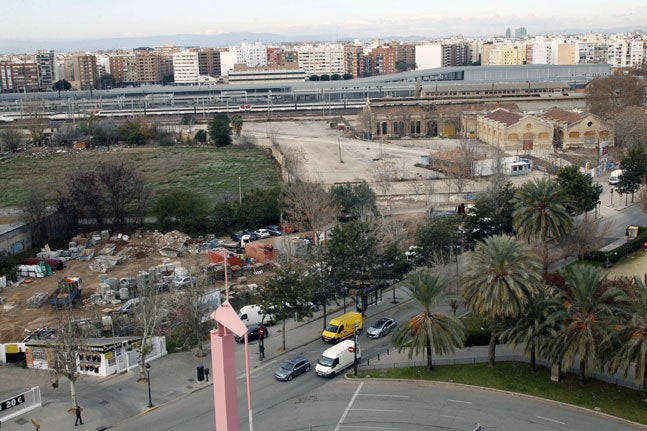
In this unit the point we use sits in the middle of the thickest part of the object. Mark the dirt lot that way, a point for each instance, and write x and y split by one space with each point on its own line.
139 253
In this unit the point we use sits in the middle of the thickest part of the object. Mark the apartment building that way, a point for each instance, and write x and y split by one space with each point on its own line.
243 74
46 63
123 68
406 52
354 60
382 60
455 54
186 67
81 71
319 59
252 54
429 56
19 76
503 54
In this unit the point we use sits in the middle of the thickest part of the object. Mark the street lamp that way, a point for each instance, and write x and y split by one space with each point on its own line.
355 351
148 378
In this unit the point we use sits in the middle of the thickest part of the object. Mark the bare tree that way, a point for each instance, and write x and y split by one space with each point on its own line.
147 318
610 95
630 127
466 154
36 206
383 175
585 237
11 139
65 135
309 205
123 186
66 350
294 161
33 109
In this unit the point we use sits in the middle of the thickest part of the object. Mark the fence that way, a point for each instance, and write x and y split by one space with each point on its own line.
20 403
615 379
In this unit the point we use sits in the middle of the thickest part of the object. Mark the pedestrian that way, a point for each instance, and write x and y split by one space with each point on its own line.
461 209
78 415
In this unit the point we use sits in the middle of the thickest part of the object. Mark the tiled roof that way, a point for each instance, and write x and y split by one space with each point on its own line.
558 114
504 116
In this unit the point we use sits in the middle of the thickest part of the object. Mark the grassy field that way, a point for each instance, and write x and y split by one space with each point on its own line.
516 377
212 171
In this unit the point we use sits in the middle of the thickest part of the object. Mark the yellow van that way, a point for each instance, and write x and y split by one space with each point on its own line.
341 327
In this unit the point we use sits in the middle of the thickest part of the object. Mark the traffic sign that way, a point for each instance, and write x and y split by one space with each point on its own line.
350 349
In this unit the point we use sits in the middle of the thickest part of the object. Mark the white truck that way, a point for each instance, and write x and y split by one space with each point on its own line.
252 315
337 358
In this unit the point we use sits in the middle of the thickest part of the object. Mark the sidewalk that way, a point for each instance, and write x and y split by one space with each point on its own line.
110 400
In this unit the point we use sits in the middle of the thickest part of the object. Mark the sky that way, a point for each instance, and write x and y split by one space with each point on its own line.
61 20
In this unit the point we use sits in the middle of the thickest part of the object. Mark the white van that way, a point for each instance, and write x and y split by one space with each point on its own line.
252 315
337 358
614 176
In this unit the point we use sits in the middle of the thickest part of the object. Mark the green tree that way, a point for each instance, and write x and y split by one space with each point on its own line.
492 215
61 85
577 189
237 124
319 279
634 168
220 130
355 199
429 329
314 78
347 76
182 209
401 66
107 81
540 213
437 236
200 137
352 253
632 334
286 293
533 328
501 278
135 131
335 77
585 317
324 77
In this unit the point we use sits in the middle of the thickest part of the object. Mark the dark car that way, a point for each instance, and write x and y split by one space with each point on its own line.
253 333
274 230
236 236
382 327
292 368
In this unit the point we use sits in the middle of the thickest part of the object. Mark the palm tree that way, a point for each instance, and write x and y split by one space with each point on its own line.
443 332
501 279
533 328
540 212
585 316
632 334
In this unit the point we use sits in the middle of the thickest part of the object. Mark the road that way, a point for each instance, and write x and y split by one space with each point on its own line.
313 403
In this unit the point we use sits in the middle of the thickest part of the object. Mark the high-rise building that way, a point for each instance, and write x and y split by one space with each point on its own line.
81 71
19 76
354 60
382 60
186 69
406 53
455 54
209 62
123 68
252 54
321 59
46 69
520 33
508 33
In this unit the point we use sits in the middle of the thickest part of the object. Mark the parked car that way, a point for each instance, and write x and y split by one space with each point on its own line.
252 235
253 333
236 236
262 233
292 368
274 230
182 281
381 328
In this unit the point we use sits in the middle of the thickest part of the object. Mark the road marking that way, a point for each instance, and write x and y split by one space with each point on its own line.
377 410
350 404
384 395
458 401
551 420
452 417
368 428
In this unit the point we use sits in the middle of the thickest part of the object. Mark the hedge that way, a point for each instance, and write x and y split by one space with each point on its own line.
617 253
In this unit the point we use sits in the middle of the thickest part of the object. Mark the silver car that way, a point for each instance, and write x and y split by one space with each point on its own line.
381 328
292 368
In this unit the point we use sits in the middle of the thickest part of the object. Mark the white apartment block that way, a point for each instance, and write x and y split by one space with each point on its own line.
429 56
321 59
227 61
252 54
185 67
